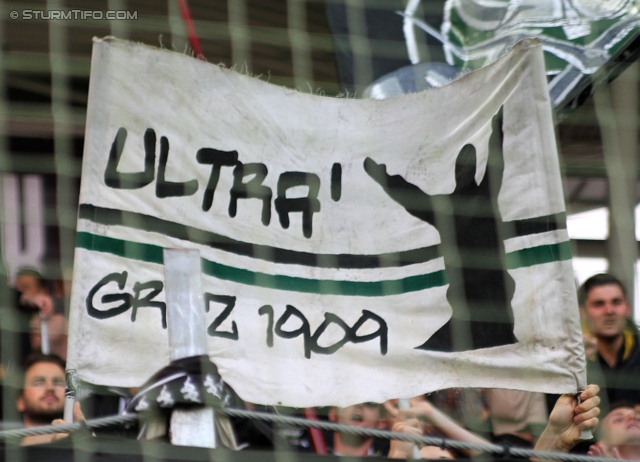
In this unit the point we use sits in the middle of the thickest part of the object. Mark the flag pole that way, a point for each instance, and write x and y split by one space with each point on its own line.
403 403
187 338
44 335
71 387
191 30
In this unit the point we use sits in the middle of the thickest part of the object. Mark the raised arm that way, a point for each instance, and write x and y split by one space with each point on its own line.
421 409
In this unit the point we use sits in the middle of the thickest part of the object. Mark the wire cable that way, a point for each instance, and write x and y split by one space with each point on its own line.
340 428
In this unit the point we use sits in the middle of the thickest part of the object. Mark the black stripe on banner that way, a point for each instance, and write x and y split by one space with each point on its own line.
539 225
106 216
153 254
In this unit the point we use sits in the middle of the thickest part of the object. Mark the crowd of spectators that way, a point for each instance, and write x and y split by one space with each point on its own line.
509 417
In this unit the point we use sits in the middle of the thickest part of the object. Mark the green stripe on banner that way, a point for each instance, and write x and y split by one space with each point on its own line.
538 255
133 250
153 254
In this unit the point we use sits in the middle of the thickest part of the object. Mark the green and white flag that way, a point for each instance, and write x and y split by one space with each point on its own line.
583 40
351 250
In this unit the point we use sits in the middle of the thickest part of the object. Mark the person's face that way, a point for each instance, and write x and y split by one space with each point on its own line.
606 310
621 427
365 415
43 397
28 285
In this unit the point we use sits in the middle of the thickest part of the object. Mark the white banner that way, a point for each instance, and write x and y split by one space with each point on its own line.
352 250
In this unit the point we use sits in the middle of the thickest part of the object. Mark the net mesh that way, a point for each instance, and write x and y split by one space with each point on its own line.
327 47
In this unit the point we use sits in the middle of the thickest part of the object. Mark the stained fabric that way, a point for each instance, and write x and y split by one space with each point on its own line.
351 250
